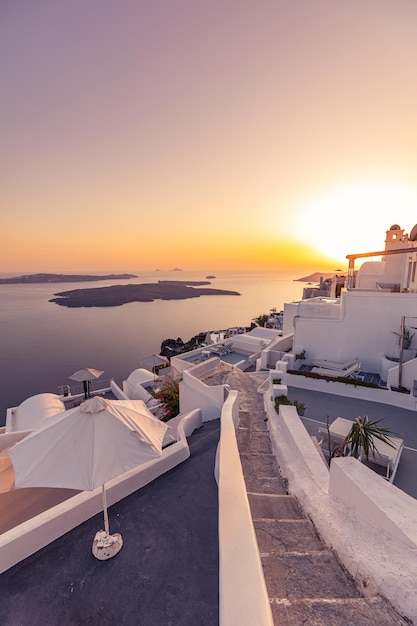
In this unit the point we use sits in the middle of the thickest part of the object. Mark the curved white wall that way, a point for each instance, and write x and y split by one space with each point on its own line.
194 393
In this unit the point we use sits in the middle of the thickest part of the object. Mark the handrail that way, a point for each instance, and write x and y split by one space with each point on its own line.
242 589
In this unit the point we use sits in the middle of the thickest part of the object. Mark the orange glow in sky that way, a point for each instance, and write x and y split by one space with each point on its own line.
205 135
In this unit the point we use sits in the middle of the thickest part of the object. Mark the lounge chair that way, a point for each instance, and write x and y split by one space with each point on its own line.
333 365
386 456
226 348
215 348
345 369
221 348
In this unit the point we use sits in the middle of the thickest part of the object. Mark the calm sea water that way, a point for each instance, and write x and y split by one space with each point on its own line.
43 343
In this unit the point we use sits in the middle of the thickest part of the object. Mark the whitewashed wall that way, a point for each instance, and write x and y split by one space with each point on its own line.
364 329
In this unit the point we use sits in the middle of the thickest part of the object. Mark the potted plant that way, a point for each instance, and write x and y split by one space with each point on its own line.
360 439
407 336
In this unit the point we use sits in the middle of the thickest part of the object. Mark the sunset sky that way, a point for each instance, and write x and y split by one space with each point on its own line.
204 134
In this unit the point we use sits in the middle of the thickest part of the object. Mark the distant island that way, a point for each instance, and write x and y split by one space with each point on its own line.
61 278
117 295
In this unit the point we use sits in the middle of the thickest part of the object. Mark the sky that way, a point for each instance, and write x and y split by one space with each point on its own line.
204 134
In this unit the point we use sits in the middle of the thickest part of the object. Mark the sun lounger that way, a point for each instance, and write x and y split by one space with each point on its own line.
333 365
215 348
225 348
331 372
221 348
344 369
387 456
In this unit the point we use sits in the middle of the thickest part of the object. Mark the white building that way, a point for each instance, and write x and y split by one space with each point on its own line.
363 322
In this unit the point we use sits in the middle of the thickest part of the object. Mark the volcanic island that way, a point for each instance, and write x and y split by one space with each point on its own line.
116 295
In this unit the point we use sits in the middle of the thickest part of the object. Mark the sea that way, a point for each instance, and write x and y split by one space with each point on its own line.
43 343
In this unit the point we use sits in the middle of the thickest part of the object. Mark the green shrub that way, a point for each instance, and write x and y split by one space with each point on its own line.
300 406
335 379
282 400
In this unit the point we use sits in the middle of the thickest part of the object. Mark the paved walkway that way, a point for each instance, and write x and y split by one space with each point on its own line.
306 583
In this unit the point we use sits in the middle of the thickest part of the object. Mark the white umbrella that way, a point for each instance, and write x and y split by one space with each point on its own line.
87 446
85 376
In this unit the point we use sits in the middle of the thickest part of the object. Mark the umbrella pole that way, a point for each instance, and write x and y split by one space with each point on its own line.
105 546
106 517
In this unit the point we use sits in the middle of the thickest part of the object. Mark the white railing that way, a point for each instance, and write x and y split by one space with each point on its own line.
242 589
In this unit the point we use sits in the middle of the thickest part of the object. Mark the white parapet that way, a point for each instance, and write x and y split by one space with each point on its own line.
386 507
279 390
281 366
243 596
368 522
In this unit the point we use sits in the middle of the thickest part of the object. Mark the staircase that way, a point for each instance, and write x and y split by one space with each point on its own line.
306 584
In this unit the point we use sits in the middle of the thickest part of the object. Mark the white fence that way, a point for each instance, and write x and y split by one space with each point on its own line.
243 595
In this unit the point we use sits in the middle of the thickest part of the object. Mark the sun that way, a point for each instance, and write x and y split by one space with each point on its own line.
354 217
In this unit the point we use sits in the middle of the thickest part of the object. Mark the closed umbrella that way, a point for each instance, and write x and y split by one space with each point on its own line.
85 376
87 446
152 361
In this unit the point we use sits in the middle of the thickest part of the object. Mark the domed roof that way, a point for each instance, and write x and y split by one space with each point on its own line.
395 227
413 234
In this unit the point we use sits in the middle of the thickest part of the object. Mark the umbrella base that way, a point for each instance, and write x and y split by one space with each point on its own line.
106 546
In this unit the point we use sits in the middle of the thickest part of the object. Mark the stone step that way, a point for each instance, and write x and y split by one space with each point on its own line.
335 612
253 441
266 485
260 465
311 575
274 507
262 475
283 536
253 420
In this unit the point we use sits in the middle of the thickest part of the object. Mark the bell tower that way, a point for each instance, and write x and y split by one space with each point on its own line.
395 238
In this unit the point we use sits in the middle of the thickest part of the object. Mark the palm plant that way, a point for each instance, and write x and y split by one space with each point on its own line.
406 334
261 319
361 438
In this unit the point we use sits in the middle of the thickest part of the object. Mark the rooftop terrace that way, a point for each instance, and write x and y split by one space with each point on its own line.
166 572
